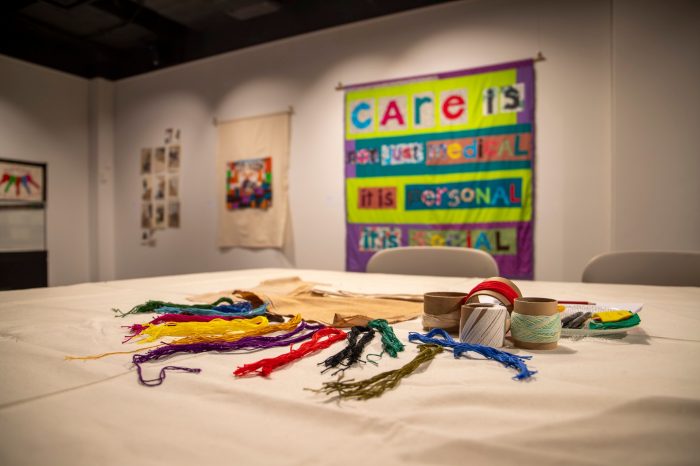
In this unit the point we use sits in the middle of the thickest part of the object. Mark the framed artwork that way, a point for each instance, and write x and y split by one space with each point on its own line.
22 182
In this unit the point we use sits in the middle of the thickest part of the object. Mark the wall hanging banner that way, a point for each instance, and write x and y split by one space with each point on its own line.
252 162
443 160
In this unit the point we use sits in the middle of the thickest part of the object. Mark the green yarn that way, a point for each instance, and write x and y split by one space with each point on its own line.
377 385
151 306
535 329
390 342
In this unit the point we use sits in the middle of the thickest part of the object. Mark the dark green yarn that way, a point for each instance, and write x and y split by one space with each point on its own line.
390 342
377 385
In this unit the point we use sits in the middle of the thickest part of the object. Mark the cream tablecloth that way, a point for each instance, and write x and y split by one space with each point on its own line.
634 400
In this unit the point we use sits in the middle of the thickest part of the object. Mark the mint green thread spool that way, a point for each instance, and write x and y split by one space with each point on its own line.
535 323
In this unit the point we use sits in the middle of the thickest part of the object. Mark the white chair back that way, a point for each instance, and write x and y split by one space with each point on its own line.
440 261
669 268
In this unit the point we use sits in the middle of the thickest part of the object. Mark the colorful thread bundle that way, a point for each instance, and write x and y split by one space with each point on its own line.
261 330
390 343
242 309
244 343
320 340
377 385
213 327
358 338
507 359
135 329
152 306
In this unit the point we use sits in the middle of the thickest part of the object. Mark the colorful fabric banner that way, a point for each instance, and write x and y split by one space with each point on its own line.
252 164
443 160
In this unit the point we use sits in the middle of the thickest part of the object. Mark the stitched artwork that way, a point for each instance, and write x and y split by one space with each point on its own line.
21 181
249 184
443 160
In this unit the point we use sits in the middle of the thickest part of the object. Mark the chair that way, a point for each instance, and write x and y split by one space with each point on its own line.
441 261
645 268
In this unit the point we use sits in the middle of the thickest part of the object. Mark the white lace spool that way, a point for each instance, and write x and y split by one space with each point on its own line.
485 324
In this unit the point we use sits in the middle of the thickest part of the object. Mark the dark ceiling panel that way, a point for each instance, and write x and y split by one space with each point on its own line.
192 13
80 20
119 38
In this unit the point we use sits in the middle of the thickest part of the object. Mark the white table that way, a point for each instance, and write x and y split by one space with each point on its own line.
634 400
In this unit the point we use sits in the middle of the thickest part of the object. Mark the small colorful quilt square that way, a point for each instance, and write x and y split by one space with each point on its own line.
249 184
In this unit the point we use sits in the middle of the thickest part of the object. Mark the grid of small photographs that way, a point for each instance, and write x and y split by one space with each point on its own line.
160 188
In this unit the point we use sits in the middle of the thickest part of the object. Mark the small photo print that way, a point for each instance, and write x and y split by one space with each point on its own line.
147 238
146 188
147 215
159 160
146 161
159 215
173 186
174 214
173 159
159 193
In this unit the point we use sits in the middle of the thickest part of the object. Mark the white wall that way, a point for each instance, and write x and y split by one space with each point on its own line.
43 118
101 153
656 50
573 135
618 107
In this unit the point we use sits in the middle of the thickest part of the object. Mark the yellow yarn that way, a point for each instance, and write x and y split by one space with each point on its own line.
231 336
611 316
111 353
213 327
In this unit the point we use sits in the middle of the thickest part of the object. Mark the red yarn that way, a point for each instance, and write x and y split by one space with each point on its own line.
492 285
265 366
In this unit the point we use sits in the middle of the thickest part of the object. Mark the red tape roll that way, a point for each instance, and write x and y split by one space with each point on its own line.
498 287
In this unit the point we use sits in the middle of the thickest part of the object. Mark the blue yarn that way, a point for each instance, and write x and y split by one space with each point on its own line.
242 308
507 359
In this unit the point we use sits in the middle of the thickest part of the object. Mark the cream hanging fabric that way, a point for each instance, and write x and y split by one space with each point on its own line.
252 164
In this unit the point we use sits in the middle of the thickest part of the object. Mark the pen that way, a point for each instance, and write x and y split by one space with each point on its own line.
575 302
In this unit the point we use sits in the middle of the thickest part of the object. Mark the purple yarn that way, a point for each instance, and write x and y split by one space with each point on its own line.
259 342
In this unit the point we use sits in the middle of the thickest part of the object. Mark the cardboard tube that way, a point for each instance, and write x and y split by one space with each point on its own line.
442 303
534 307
